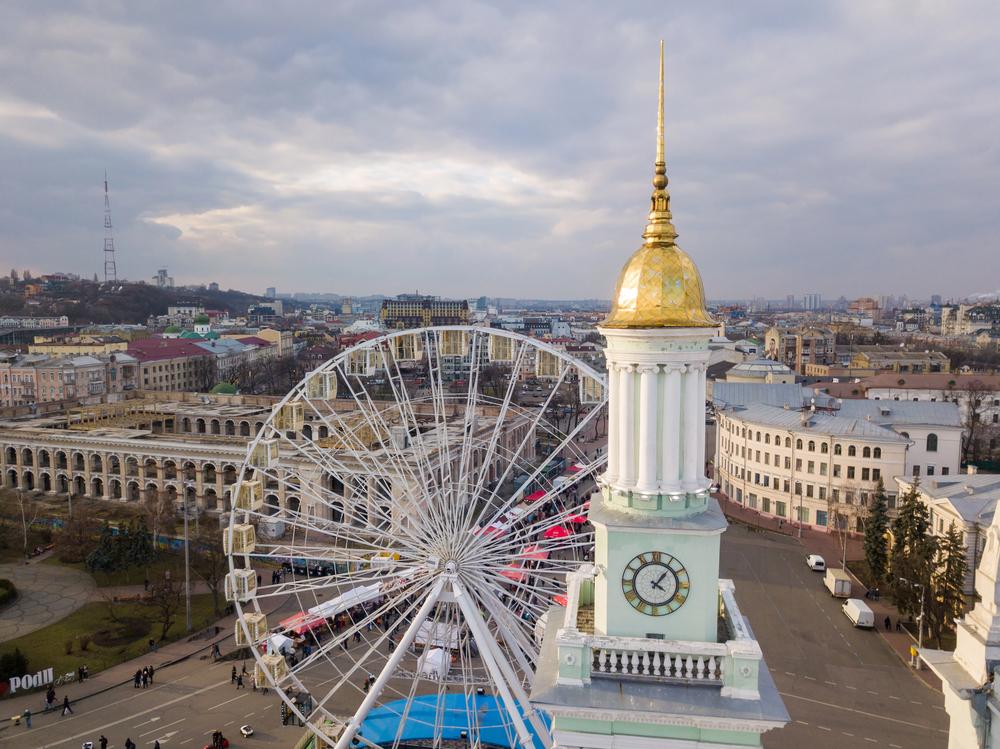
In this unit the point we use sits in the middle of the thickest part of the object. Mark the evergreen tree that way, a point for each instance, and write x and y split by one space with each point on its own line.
876 552
104 558
947 602
914 552
141 552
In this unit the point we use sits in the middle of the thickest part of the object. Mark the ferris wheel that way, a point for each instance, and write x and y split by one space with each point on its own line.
411 509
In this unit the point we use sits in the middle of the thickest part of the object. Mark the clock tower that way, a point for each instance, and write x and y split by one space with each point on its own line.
650 618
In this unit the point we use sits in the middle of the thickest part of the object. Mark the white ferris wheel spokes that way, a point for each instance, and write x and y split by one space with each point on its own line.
416 502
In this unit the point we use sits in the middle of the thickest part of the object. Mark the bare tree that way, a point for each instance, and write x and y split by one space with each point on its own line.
211 563
166 598
975 396
29 514
159 512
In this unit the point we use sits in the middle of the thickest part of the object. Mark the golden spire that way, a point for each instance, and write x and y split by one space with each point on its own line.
660 227
660 286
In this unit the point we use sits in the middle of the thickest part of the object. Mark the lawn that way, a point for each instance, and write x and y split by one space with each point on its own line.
111 642
164 561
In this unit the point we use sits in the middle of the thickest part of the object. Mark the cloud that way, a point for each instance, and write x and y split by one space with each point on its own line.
505 149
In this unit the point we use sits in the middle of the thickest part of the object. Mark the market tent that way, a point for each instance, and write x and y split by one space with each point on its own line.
434 662
514 572
438 635
535 496
577 519
300 623
344 601
278 643
534 551
557 531
561 599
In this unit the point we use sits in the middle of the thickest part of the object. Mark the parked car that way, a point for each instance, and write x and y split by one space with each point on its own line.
816 563
858 612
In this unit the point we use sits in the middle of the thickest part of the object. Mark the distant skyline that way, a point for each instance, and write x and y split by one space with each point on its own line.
505 150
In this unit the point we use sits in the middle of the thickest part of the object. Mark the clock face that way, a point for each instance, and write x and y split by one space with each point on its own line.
655 583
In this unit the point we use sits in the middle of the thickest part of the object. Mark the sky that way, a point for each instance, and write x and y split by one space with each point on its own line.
466 148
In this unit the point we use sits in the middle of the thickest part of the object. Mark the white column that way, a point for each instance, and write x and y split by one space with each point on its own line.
626 436
702 369
614 393
648 408
692 416
671 457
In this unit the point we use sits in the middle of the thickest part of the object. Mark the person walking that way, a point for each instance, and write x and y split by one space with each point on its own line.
50 698
232 676
137 679
27 717
239 682
103 741
66 707
151 672
888 624
156 744
145 677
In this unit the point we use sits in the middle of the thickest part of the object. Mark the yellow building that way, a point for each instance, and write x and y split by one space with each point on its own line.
77 346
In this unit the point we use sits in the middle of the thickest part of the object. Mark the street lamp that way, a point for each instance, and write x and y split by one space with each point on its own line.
920 620
187 558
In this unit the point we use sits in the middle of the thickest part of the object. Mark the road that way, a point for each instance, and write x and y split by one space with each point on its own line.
181 710
842 686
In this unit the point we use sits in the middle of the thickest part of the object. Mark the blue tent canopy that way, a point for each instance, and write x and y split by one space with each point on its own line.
460 713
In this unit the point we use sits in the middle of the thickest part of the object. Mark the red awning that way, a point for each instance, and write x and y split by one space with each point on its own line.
577 519
575 468
558 531
561 599
513 572
535 496
302 622
534 551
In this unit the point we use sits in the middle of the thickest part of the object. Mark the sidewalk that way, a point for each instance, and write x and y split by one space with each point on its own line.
828 546
197 645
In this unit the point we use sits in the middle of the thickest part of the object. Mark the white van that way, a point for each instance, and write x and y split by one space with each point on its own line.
816 563
858 612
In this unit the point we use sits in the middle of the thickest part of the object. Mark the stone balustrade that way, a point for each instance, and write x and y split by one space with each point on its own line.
732 665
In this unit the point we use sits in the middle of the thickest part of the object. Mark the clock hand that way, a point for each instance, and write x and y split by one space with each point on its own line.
656 585
660 580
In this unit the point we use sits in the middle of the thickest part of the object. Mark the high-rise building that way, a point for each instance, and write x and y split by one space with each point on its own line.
163 279
812 302
271 293
637 657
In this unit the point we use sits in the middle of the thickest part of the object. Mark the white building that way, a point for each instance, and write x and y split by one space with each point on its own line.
790 461
968 674
968 501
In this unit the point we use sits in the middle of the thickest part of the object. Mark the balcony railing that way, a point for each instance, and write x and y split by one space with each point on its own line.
732 665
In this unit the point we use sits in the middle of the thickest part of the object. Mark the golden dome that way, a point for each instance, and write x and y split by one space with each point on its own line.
660 286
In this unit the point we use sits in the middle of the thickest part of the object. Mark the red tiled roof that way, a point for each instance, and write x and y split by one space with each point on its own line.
931 380
152 349
252 340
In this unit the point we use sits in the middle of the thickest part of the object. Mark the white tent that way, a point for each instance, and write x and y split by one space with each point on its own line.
278 643
438 635
434 662
344 601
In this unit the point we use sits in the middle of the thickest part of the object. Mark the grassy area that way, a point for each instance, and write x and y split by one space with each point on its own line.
164 561
112 642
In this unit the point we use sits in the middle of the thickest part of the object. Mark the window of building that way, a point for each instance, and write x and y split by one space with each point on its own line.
822 492
820 517
811 467
785 486
916 470
798 464
758 436
835 494
836 470
852 451
788 441
945 471
822 469
865 474
765 504
752 501
767 459
866 453
809 490
798 444
850 472
837 450
824 448
812 446
803 514
930 470
788 462
767 439
779 509
932 443
798 488
876 474
849 497
877 453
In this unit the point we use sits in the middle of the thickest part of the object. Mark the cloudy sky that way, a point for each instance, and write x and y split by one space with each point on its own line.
463 148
